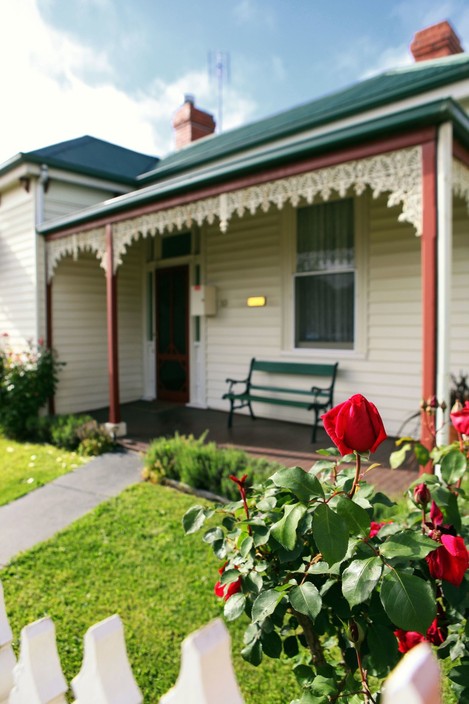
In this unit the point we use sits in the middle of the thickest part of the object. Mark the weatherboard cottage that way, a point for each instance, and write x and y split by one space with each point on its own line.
346 219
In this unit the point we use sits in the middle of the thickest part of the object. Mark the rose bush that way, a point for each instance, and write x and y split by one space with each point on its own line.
27 380
328 578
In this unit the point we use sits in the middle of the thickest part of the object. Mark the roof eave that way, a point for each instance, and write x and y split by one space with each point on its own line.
434 113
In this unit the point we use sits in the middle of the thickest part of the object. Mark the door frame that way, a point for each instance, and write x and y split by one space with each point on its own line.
177 397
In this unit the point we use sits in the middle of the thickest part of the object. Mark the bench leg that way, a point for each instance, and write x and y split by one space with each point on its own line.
315 425
251 411
230 415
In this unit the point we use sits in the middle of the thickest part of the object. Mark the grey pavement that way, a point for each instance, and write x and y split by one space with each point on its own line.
42 513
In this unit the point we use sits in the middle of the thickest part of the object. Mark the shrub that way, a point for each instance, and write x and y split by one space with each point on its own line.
326 584
94 440
27 380
65 430
201 464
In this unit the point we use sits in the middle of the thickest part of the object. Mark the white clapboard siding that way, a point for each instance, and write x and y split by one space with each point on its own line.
249 260
80 331
18 267
130 324
63 198
79 334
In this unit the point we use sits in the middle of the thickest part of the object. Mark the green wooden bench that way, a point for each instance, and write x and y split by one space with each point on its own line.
316 398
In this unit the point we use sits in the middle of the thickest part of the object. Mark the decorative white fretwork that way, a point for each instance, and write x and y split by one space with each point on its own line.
461 180
87 241
397 173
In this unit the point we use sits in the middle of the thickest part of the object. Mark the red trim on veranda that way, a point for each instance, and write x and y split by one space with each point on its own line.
429 282
111 309
302 166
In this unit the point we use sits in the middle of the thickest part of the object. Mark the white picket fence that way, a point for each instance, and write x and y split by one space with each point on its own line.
206 674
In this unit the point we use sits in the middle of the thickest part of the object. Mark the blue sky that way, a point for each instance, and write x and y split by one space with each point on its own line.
118 69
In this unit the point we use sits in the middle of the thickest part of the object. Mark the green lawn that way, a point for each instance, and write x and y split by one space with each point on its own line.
25 466
130 556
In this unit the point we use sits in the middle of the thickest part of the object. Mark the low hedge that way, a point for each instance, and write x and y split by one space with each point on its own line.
80 433
203 465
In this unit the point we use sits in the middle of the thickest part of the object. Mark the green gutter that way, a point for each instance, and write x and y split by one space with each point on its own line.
434 113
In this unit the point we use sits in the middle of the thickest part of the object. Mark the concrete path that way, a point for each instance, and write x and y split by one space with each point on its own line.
43 512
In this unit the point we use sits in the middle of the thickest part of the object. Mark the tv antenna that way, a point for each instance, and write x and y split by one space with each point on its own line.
219 70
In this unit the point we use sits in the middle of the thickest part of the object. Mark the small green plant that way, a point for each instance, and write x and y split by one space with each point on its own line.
326 584
200 464
94 440
65 431
27 380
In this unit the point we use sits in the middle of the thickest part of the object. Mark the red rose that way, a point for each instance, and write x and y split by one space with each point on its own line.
436 635
449 561
224 591
407 639
460 419
355 425
375 527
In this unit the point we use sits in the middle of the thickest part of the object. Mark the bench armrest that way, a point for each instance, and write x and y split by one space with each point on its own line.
232 382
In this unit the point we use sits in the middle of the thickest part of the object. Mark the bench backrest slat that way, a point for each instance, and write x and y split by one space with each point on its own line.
298 368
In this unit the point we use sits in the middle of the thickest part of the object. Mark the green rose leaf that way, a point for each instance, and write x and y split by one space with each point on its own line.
360 578
408 601
330 534
253 582
252 653
229 576
234 606
382 646
265 604
305 486
453 465
193 519
284 531
306 599
398 456
355 516
212 535
408 544
271 644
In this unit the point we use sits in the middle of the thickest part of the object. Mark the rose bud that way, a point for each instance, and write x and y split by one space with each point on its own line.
422 495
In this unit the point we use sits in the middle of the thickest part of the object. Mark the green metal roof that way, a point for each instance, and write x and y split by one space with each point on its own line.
380 90
433 113
91 157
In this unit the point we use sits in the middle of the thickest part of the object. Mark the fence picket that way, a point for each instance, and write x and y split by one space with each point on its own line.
415 680
7 657
106 676
206 675
38 675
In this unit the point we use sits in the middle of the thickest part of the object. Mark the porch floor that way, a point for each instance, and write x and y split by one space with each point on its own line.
287 443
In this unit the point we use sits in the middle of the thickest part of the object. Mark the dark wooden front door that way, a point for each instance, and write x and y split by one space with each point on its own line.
172 341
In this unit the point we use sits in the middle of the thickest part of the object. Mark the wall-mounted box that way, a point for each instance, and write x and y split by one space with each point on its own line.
203 300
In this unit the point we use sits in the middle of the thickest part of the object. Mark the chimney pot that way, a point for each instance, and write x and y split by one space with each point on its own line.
435 41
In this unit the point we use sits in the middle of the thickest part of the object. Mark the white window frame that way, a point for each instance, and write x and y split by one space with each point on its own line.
289 251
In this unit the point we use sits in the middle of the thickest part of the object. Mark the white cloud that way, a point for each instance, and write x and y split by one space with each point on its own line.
47 100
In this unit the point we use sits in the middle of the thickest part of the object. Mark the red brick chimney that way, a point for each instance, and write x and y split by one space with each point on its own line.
190 123
436 41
